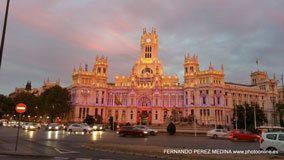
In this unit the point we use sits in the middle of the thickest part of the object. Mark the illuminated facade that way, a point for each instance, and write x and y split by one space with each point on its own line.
148 96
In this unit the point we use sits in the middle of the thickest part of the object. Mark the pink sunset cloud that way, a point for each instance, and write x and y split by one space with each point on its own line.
74 32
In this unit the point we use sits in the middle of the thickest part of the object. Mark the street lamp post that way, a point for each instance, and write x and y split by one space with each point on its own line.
4 32
236 117
274 114
254 116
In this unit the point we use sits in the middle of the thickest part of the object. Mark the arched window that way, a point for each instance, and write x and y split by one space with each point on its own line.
147 70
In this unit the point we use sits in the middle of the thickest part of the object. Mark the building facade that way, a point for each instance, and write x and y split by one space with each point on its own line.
35 91
148 96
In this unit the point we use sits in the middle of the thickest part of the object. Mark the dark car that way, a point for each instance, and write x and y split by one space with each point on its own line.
54 127
98 127
243 135
133 131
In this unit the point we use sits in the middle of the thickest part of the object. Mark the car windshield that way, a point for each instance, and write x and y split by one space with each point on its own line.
142 127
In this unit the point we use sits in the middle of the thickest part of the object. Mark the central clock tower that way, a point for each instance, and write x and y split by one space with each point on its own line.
149 45
148 65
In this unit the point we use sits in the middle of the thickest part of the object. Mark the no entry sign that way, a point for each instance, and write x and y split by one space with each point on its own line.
21 108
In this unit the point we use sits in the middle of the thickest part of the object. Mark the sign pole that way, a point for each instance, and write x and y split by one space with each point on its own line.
16 147
20 108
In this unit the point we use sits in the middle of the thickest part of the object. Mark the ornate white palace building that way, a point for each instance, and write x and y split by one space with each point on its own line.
148 96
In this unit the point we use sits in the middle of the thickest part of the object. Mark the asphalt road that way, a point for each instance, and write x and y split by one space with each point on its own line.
62 145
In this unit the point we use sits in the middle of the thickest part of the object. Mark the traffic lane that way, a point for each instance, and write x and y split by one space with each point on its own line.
15 157
60 145
180 141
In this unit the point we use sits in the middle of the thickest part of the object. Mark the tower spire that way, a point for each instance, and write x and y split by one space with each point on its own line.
211 66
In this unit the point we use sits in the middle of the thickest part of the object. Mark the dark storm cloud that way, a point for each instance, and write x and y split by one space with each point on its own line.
48 38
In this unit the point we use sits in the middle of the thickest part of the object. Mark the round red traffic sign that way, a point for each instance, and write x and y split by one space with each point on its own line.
21 108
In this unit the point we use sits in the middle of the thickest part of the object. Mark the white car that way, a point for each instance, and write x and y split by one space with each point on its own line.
217 133
77 127
30 126
273 141
151 131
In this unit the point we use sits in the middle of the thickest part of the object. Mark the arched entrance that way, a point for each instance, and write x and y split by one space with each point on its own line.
144 111
144 102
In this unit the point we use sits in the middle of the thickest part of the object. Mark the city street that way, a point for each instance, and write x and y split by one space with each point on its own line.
54 145
63 145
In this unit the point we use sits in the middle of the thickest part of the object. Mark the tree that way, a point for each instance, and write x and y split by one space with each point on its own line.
28 99
89 120
55 102
7 105
171 129
247 111
98 119
280 113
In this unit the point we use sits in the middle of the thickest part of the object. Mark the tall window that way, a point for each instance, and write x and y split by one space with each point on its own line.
186 98
80 112
96 112
103 95
148 50
131 101
97 97
131 115
204 100
156 99
156 115
191 69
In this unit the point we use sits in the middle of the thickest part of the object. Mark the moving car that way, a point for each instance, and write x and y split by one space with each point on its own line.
54 127
98 127
79 127
133 131
217 133
243 135
30 126
152 132
273 141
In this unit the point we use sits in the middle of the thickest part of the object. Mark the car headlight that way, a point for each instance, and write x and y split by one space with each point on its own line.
32 127
56 127
95 127
101 128
145 132
49 127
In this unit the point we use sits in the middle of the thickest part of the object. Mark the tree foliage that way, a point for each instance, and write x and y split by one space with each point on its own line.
247 111
7 105
30 100
89 120
55 102
171 129
280 113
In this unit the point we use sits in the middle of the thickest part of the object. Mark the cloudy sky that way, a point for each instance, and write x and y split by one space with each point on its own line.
47 38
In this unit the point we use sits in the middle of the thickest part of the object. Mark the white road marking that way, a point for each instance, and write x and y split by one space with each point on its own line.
64 151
